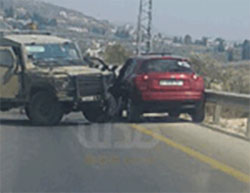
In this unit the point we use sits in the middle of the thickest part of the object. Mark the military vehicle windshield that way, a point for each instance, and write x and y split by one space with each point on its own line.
57 54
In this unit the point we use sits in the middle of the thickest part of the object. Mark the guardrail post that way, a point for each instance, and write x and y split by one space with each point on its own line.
217 113
248 127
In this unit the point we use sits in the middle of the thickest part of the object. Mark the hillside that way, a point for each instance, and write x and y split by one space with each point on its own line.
18 13
96 35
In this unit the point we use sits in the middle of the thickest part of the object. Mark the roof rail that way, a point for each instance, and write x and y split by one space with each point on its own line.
157 54
23 32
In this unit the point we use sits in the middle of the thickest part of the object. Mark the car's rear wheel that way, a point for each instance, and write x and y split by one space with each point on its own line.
133 111
44 109
198 115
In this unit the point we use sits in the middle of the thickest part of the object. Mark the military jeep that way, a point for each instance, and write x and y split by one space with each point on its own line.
47 76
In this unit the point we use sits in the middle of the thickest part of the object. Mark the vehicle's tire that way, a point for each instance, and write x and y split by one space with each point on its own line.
133 112
198 115
101 112
44 109
95 114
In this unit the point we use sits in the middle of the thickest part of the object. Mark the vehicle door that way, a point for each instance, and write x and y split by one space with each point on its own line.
127 83
9 80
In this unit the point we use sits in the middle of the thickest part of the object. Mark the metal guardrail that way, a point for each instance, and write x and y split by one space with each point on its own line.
230 100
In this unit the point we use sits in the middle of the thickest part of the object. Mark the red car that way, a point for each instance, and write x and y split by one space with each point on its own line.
158 84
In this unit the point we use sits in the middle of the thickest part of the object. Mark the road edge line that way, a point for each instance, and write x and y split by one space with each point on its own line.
197 155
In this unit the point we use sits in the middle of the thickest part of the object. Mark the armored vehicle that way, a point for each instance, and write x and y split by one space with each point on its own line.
47 76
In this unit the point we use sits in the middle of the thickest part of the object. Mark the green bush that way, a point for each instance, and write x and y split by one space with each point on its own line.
116 54
218 77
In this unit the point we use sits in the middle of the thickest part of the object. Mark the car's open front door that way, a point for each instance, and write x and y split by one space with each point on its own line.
9 82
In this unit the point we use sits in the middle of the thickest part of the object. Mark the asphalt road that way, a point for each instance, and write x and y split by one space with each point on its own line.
158 155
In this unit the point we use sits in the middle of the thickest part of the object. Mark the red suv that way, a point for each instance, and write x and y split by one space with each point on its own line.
158 84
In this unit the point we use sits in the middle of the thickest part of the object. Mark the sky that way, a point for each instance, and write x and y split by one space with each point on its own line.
229 19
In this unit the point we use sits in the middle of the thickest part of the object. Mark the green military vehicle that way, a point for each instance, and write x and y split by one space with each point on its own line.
48 77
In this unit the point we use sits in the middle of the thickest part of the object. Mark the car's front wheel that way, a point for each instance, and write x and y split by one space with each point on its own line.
102 111
44 109
94 113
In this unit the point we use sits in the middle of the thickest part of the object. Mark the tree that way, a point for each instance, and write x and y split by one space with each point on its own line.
2 4
246 50
188 39
39 19
204 41
230 55
221 47
122 34
52 22
116 54
207 67
216 76
177 40
98 30
9 12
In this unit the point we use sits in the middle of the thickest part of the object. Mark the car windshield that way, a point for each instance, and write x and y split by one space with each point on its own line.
166 66
60 54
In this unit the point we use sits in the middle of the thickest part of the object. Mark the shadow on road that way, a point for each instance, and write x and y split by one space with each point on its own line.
16 119
13 122
148 120
154 119
27 123
163 120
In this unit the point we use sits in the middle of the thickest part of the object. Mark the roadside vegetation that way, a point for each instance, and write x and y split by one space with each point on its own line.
116 54
230 78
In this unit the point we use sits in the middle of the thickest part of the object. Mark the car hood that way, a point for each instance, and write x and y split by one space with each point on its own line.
74 70
66 71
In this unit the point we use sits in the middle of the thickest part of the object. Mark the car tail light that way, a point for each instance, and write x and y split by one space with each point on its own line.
145 77
195 77
141 82
197 83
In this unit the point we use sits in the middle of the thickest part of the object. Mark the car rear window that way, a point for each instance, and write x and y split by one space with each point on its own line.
165 66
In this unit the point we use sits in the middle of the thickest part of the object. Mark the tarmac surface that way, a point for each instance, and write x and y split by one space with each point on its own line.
157 155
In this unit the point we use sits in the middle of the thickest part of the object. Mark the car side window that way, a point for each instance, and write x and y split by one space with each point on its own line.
123 71
130 69
6 59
